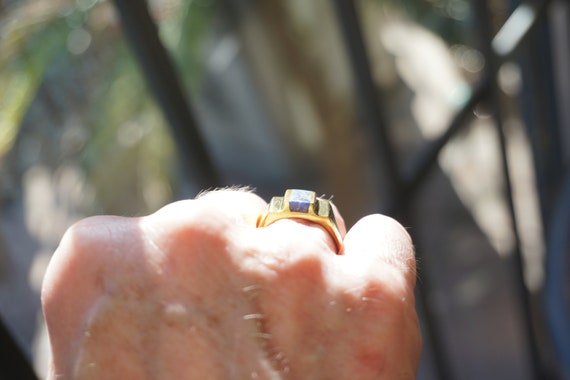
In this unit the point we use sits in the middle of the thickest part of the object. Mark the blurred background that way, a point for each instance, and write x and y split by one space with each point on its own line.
452 116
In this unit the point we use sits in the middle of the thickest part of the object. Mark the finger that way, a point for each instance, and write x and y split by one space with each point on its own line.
311 234
218 219
241 203
299 236
84 267
238 206
380 252
381 239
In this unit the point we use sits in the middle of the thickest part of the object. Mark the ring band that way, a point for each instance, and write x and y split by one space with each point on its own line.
303 204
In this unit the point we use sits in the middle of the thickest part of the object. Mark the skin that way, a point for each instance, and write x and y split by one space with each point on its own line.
196 291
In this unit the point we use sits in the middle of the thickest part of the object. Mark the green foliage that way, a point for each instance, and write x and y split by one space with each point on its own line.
128 154
191 27
26 52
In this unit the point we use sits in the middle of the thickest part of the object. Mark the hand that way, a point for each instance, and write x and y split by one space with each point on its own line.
195 291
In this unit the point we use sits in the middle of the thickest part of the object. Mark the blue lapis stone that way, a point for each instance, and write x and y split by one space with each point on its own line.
300 200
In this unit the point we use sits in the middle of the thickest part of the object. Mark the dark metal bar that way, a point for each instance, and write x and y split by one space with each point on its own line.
368 95
419 166
431 328
504 45
13 363
161 76
557 305
540 111
483 16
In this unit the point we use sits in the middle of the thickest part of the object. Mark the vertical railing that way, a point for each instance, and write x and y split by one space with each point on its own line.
166 87
368 96
483 17
14 364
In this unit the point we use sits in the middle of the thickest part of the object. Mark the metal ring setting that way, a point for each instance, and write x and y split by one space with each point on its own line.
303 204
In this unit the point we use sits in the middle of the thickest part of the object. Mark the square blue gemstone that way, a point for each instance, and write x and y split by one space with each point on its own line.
300 200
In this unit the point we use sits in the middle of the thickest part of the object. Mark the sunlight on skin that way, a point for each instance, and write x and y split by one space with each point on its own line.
188 292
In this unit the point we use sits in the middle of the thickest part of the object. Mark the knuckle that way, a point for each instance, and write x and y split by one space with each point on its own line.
86 246
188 237
385 293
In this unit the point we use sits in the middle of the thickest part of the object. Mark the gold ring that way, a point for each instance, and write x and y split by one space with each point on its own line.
303 204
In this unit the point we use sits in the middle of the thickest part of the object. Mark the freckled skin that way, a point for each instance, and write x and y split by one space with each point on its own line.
195 291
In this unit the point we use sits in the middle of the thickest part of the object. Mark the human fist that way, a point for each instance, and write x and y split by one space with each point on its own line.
196 291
